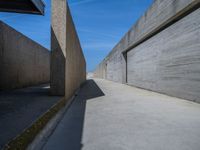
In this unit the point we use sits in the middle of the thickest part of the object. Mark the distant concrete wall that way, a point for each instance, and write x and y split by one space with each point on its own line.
161 52
68 66
23 62
101 70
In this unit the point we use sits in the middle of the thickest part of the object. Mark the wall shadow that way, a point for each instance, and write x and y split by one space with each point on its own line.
21 107
68 134
57 67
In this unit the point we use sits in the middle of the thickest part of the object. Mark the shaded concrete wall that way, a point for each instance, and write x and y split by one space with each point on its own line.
68 66
23 62
161 52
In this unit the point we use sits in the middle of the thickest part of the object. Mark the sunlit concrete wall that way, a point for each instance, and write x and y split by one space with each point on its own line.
68 66
101 70
161 52
23 62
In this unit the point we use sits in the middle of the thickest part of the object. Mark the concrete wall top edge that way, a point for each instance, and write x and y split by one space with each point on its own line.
76 34
40 5
3 24
158 13
23 6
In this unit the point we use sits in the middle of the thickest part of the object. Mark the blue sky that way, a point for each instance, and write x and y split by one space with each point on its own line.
100 24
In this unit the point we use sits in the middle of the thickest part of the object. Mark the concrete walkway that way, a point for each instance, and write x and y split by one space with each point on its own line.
20 108
112 116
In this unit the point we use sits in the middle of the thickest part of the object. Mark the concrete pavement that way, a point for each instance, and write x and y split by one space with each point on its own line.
111 116
20 108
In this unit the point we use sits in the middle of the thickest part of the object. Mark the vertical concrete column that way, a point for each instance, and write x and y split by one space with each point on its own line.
68 66
58 46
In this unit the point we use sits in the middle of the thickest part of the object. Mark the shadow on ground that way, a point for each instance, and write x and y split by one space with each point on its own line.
68 134
20 108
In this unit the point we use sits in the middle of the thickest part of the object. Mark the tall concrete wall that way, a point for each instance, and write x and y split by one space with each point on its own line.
161 52
68 66
23 62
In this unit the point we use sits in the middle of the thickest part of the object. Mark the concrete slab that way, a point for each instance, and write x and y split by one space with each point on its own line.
23 6
20 108
111 116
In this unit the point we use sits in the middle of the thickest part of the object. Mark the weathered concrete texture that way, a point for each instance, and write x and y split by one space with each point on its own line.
112 116
68 67
160 52
170 61
23 62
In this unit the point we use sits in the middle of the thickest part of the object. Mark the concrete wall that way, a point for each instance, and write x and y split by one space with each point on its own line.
101 70
68 66
23 62
161 52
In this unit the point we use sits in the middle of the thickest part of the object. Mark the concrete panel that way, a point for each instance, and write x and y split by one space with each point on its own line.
114 67
23 6
68 67
101 71
23 62
75 68
170 61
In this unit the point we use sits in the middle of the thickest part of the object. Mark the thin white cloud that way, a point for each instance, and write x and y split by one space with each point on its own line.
81 2
96 46
98 33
